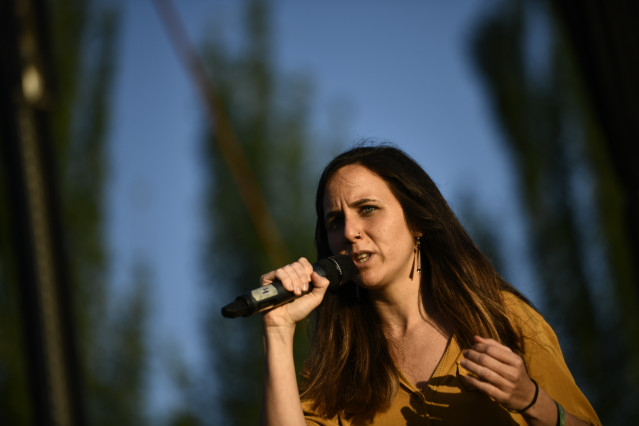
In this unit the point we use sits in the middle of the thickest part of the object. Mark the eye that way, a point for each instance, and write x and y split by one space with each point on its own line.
334 222
366 210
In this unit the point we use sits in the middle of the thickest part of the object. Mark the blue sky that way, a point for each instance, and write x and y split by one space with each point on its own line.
404 72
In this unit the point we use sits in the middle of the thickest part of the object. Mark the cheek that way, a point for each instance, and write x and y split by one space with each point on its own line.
400 238
335 242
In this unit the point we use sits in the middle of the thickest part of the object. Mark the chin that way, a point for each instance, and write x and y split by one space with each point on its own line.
369 283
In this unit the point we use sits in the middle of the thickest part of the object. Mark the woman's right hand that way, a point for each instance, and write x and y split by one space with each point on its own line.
295 277
281 400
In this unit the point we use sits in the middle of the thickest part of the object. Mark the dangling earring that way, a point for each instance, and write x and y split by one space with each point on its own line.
417 258
418 255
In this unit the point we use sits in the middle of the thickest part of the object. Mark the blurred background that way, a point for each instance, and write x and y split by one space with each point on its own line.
158 156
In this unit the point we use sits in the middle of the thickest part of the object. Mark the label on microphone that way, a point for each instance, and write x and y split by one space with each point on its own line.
262 293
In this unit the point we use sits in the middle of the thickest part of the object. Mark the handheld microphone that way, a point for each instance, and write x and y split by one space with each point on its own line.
338 269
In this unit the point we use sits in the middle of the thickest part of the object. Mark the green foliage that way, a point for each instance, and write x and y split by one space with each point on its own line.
269 115
118 362
82 36
571 198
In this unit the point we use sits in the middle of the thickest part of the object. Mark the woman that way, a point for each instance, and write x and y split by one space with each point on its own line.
428 332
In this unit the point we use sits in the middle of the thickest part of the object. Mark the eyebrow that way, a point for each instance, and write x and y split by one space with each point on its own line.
334 213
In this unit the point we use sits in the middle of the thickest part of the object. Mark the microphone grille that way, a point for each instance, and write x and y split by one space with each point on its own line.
338 269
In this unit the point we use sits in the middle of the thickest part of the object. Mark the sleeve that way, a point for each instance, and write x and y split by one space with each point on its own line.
545 361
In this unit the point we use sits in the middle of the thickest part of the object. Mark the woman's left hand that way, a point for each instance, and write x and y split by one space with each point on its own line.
499 373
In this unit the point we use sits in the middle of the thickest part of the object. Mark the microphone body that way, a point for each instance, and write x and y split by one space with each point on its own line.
338 269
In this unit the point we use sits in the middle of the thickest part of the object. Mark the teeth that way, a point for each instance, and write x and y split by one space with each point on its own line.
362 257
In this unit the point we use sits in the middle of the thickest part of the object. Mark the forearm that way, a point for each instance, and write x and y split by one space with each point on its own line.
280 400
281 404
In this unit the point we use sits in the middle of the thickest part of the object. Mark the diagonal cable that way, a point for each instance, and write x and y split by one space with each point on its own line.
226 138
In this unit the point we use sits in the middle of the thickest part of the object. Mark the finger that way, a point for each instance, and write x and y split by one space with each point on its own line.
505 355
498 351
491 356
486 387
301 276
295 278
307 271
507 364
319 282
487 370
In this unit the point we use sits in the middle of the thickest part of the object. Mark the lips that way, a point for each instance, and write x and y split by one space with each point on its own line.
361 257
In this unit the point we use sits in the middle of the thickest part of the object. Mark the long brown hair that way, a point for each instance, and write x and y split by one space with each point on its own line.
350 366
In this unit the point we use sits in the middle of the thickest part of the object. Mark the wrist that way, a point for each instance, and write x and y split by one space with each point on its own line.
277 333
534 399
543 412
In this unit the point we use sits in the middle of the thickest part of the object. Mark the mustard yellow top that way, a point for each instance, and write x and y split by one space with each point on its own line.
447 400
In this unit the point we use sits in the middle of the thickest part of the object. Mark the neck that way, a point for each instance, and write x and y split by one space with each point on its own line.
403 310
400 308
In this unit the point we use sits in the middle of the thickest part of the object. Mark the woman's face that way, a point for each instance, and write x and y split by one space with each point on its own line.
365 220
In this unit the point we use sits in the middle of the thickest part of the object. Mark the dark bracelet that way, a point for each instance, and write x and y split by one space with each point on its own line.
534 398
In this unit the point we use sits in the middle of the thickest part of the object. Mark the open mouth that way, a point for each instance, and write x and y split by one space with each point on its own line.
361 257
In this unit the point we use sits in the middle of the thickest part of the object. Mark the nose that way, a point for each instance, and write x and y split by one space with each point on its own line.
352 230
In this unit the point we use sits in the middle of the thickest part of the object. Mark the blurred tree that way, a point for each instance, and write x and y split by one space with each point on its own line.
604 37
577 229
117 366
480 225
269 117
82 36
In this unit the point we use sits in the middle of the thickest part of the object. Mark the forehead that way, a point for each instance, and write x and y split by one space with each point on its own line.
354 182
